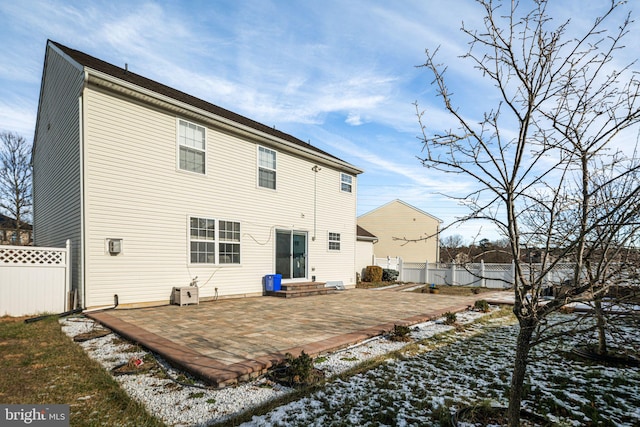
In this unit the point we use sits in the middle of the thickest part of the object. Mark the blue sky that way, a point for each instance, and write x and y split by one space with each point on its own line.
341 74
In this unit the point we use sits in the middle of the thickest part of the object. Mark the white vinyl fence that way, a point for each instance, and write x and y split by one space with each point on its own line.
34 280
486 275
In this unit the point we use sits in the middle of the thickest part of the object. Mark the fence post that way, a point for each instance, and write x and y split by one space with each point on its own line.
483 282
453 274
426 271
400 270
67 269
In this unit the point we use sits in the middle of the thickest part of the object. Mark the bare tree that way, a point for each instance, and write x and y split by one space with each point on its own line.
563 103
15 178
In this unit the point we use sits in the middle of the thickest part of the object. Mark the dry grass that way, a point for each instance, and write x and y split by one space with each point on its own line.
41 365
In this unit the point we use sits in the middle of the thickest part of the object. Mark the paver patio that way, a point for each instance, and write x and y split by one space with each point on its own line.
231 340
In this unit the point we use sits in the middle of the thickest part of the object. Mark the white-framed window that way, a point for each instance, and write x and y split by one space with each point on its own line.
204 240
266 168
334 241
192 155
346 182
229 244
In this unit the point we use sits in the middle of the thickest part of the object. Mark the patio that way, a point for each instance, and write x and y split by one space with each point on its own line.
233 340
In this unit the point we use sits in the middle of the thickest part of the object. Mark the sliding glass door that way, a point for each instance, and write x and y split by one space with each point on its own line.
291 254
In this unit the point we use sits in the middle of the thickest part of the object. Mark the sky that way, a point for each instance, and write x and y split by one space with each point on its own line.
342 74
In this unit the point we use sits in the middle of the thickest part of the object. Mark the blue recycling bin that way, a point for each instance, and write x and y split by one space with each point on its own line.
273 282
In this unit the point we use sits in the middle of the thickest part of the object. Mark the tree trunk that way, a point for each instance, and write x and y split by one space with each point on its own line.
527 326
601 327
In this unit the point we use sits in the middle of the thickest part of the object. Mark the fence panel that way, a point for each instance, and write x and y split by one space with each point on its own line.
413 272
34 280
495 276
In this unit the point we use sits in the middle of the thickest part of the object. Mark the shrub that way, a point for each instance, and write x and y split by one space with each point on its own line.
296 371
390 275
400 333
373 273
450 318
482 305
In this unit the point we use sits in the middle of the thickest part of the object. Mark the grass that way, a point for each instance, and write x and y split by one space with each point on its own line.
41 365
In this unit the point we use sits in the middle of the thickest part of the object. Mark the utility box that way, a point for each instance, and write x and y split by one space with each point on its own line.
185 295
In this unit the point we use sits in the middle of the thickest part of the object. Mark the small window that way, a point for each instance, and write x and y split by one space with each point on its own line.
229 246
346 182
202 240
191 147
266 168
334 241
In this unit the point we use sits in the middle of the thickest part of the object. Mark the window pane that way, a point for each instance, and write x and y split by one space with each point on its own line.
334 241
345 182
267 158
267 179
229 253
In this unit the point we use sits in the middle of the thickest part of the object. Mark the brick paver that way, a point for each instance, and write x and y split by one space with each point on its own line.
236 339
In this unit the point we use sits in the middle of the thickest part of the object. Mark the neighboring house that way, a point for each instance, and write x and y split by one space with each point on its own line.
403 231
364 249
9 235
156 188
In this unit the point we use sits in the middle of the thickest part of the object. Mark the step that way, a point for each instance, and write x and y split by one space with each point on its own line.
294 290
303 286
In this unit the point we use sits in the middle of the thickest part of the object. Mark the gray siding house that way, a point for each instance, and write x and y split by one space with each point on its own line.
157 189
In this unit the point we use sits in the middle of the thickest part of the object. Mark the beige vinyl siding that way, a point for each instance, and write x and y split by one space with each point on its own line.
134 191
56 158
397 220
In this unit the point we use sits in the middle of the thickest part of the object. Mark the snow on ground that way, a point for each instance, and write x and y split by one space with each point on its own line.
473 366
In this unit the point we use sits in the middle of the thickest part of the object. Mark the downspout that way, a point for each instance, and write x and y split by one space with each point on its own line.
82 258
315 169
438 243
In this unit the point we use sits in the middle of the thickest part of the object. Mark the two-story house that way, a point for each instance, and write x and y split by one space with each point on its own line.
156 188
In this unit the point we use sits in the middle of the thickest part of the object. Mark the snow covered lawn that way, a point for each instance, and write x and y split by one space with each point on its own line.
419 389
428 382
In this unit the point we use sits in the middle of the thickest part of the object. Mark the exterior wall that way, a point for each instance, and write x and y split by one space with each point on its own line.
400 220
134 191
57 160
364 256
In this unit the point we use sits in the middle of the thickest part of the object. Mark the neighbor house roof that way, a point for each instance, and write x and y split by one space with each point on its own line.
8 223
126 75
405 204
363 234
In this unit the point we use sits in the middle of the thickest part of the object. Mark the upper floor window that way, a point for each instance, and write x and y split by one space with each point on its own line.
346 182
191 147
266 168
